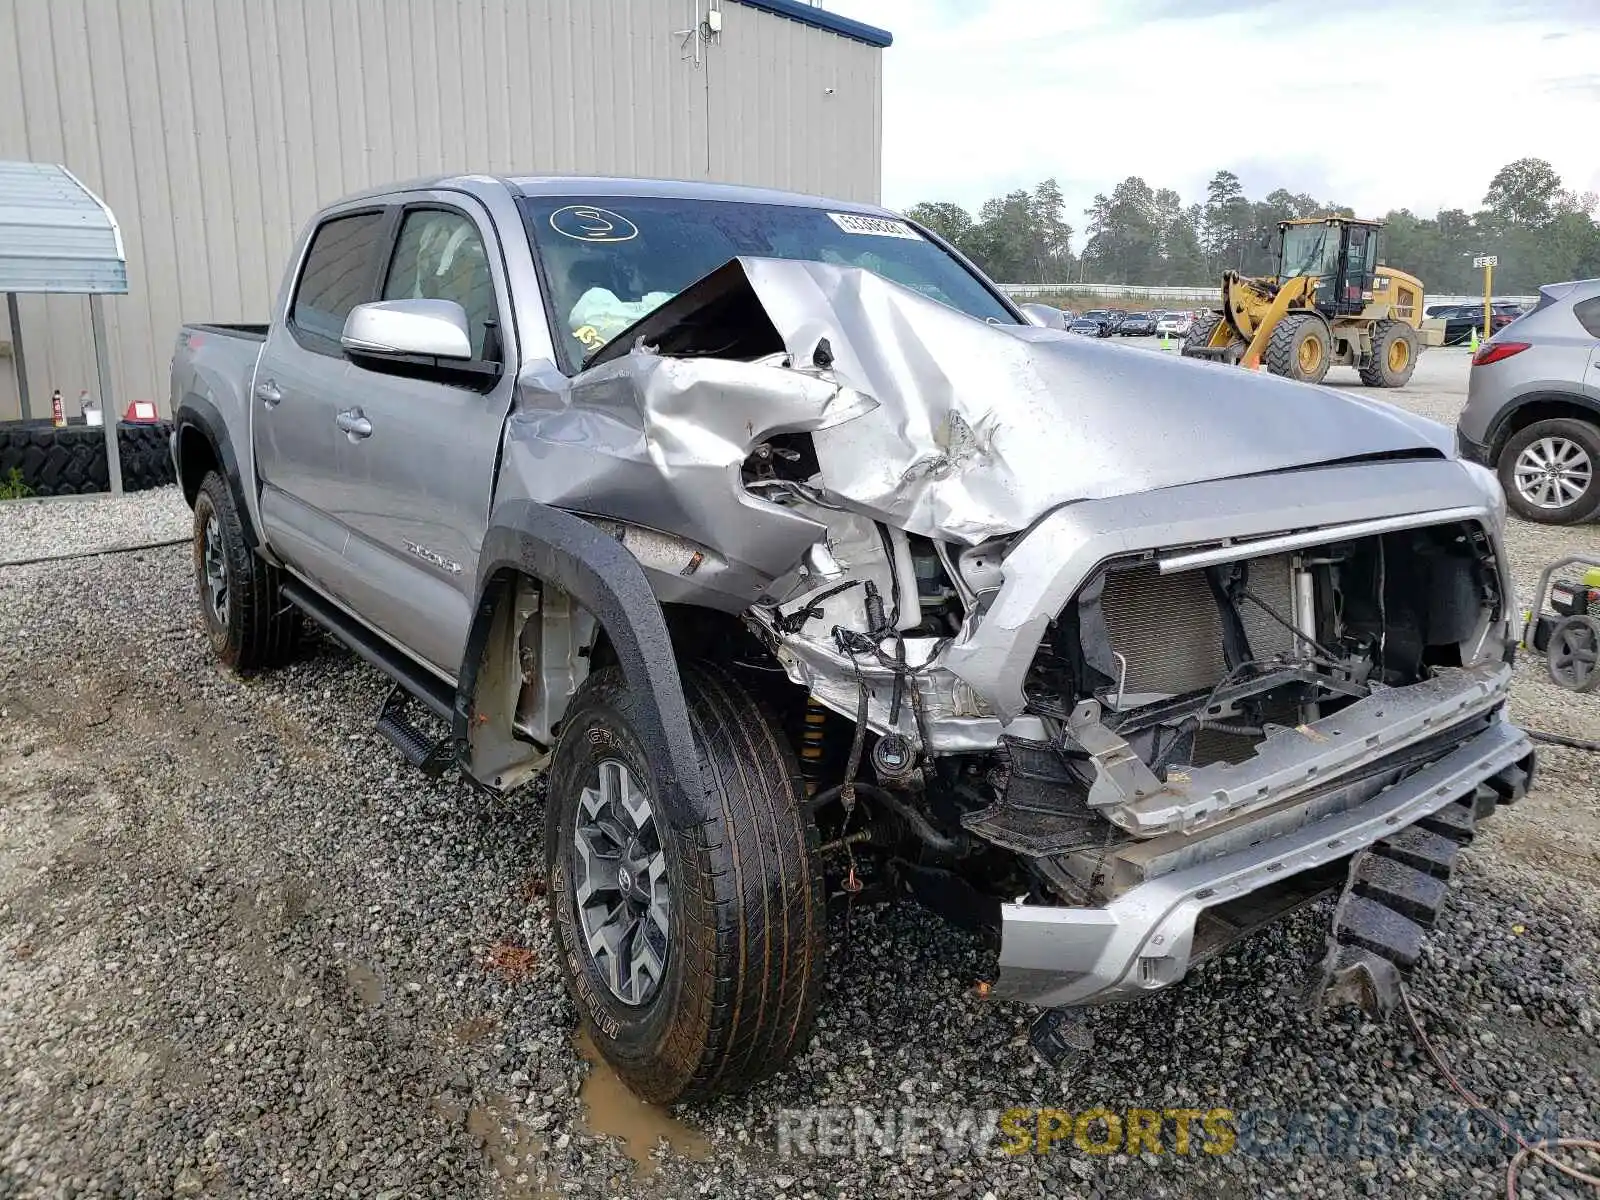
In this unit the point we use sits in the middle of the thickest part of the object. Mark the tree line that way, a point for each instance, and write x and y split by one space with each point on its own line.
1540 231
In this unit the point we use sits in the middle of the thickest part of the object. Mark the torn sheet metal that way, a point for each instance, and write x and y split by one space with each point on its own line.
979 429
658 443
921 416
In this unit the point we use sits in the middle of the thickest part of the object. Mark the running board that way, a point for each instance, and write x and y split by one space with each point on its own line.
429 756
437 696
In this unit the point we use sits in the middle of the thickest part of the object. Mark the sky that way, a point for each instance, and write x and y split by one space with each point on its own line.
1378 104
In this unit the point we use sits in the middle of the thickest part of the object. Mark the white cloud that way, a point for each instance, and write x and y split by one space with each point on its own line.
1378 104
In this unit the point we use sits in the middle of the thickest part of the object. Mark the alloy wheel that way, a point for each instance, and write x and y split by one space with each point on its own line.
215 565
620 875
1553 472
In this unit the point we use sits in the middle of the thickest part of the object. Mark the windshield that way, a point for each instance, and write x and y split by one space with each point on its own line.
610 260
1310 250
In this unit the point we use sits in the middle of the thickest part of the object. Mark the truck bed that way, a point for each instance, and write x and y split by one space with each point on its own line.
253 333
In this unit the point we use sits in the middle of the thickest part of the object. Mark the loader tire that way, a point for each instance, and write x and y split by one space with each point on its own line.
71 459
717 879
1300 348
248 623
1394 355
1200 334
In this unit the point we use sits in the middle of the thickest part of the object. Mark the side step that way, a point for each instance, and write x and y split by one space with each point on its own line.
429 757
412 681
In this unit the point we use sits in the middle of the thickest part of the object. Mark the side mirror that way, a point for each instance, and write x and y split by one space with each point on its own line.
1044 316
436 328
419 339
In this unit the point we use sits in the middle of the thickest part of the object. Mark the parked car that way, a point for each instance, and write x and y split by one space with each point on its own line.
1090 327
794 580
1138 324
1175 324
1106 317
1460 321
1533 406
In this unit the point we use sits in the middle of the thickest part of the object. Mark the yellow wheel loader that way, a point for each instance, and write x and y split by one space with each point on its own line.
1331 302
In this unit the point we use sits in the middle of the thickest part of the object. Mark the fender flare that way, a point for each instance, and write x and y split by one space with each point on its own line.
199 414
1499 432
552 545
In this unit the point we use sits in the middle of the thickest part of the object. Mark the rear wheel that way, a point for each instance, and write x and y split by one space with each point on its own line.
1300 348
249 625
1550 471
692 940
1394 355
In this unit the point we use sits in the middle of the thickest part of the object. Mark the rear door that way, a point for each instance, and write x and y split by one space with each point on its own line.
297 381
421 476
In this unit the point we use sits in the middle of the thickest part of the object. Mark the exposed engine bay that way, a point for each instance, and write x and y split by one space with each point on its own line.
1146 685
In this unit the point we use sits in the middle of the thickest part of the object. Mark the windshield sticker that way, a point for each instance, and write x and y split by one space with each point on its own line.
585 223
874 226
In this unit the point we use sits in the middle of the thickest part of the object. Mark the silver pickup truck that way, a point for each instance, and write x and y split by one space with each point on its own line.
804 568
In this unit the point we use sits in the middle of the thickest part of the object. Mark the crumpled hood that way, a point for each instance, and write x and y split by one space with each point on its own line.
980 429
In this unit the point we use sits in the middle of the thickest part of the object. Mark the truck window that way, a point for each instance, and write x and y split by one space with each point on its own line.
440 256
340 270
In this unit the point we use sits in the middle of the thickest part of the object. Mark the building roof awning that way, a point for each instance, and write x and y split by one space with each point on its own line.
819 18
55 234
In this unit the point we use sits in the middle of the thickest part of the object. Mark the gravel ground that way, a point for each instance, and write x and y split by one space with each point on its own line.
78 525
244 951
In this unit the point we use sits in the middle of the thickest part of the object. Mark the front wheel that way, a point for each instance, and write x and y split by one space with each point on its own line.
690 921
1200 333
1300 348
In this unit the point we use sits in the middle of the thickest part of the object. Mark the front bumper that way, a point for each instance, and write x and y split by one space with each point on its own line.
1144 939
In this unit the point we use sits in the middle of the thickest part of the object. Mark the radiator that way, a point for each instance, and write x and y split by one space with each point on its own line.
1168 629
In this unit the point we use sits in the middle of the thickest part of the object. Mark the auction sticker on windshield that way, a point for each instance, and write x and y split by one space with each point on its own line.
874 226
586 223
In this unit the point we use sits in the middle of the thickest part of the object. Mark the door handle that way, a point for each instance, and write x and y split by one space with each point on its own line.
355 423
267 391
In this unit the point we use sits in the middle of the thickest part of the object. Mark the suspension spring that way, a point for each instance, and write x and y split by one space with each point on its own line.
813 745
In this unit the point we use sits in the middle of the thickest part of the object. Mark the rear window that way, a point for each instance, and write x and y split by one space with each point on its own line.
340 272
1588 314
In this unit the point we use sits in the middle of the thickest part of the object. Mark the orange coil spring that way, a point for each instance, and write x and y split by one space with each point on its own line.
813 740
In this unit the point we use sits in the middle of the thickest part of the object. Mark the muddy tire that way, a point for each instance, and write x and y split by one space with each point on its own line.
1394 355
249 625
1550 471
1300 348
696 952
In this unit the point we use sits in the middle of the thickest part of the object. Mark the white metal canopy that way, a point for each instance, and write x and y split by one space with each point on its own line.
55 234
58 236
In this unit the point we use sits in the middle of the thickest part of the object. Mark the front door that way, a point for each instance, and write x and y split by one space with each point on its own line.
419 457
302 367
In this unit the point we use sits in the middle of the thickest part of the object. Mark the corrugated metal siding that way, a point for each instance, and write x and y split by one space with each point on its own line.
214 128
795 106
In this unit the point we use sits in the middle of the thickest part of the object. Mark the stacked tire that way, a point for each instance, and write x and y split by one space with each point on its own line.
71 460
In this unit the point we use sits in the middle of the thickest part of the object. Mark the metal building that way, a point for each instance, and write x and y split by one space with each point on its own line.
214 128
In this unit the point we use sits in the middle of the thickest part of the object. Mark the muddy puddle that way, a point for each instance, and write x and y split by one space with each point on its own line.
611 1110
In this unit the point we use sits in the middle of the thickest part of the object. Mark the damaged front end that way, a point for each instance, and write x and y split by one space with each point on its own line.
1126 656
